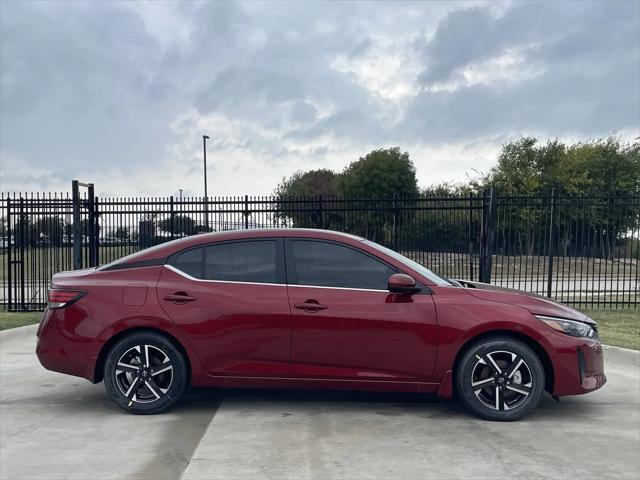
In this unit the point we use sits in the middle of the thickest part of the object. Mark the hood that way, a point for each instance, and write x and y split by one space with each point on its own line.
536 304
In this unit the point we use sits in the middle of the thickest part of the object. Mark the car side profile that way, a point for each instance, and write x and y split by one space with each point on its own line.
302 308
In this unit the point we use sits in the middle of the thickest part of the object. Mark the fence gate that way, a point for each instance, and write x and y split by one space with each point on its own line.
42 235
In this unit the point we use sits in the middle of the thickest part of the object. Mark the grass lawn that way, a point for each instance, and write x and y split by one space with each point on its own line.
18 319
618 327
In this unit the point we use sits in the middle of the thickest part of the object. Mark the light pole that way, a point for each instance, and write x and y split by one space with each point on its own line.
206 202
180 190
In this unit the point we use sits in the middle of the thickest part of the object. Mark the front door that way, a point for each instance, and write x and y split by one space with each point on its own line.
346 325
230 299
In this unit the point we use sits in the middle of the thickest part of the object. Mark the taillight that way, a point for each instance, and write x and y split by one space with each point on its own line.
64 298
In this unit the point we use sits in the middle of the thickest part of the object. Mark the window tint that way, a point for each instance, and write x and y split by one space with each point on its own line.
331 265
190 262
242 262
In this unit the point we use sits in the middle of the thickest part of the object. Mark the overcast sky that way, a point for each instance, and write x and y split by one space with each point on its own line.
120 94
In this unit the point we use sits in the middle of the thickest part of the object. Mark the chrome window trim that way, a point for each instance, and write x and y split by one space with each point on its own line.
189 277
338 288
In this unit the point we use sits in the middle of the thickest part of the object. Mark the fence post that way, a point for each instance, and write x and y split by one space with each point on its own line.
171 218
471 230
246 212
96 243
92 226
395 221
172 223
486 238
9 264
320 212
77 229
23 240
552 207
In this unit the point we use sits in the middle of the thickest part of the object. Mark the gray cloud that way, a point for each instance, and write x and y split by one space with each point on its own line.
589 55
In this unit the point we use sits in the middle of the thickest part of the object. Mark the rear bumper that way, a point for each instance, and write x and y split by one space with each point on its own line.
578 365
61 349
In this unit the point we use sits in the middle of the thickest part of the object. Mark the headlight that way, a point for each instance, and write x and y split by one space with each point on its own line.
570 327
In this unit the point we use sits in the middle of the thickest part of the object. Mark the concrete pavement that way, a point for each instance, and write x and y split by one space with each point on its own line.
53 426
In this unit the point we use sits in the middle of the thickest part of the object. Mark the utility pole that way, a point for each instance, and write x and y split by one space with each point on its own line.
206 197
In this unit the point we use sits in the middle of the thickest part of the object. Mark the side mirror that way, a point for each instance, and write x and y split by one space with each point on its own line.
401 283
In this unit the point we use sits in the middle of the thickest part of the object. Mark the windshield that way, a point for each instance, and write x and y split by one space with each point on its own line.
421 269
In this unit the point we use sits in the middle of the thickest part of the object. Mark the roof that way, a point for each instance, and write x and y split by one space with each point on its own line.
165 249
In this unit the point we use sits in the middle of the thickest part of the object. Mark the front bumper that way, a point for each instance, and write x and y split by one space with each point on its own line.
578 364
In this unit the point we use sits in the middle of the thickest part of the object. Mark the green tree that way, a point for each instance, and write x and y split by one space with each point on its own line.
122 233
602 166
50 230
598 169
299 199
380 174
387 179
179 225
308 184
527 168
23 231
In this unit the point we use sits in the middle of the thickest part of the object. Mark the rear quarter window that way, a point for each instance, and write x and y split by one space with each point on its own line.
189 262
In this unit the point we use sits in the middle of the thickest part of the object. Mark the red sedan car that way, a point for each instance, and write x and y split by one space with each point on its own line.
298 308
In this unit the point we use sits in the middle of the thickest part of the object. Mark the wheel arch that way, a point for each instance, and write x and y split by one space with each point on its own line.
530 342
98 373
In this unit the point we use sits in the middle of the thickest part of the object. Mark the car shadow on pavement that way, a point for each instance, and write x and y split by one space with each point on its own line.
81 398
382 403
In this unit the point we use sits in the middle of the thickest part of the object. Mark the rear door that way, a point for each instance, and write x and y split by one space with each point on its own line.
346 325
230 299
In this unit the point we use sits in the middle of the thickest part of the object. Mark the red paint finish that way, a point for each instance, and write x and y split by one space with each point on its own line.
134 295
237 329
363 335
290 336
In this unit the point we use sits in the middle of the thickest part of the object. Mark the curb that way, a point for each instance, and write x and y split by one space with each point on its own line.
624 356
10 333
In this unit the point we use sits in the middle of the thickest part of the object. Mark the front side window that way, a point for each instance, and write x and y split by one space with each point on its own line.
331 265
242 262
421 269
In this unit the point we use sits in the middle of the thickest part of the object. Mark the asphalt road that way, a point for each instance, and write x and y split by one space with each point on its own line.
58 427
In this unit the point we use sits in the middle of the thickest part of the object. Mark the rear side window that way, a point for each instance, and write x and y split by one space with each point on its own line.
189 262
331 265
242 262
254 262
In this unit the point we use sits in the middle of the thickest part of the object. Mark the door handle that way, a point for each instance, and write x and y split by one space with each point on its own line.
310 306
178 298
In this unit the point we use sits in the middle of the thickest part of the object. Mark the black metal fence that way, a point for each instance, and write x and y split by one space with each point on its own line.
583 251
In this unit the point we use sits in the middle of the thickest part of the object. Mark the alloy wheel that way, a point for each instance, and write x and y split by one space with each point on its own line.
501 380
144 374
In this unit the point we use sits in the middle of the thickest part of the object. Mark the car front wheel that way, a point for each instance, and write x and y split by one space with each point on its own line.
145 373
500 378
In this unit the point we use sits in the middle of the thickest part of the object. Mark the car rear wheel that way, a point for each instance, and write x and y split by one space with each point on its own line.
500 378
145 373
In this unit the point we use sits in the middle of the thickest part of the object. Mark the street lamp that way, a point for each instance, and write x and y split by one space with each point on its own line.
206 205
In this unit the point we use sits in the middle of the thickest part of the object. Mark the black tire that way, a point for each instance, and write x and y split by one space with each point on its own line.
500 378
145 388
